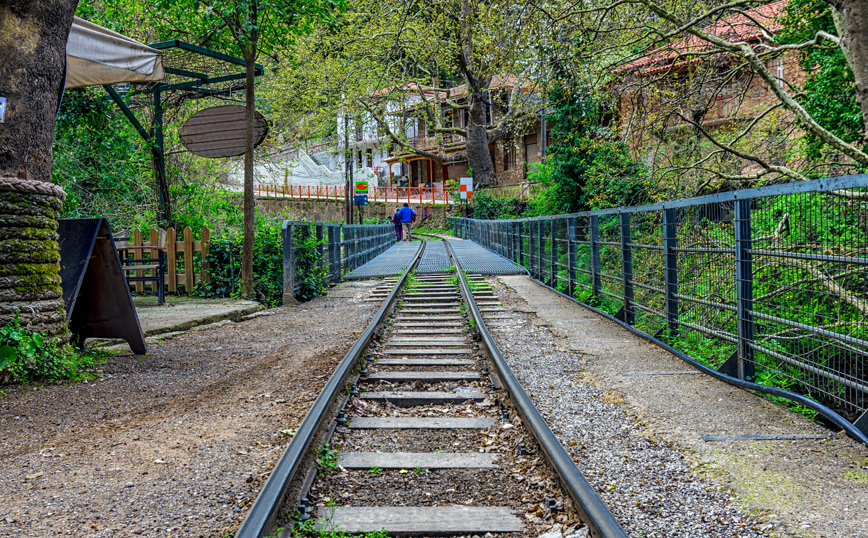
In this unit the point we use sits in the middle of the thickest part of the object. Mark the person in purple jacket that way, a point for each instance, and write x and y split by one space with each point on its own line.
408 217
396 220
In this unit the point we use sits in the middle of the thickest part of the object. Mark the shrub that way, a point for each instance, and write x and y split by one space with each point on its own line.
224 257
28 356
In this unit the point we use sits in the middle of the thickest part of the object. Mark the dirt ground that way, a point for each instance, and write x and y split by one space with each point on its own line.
175 443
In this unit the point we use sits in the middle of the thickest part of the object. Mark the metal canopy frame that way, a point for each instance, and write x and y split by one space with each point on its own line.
157 143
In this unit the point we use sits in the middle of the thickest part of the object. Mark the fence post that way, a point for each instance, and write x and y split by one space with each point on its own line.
351 243
320 247
521 243
330 231
343 254
670 243
744 289
555 229
627 269
205 239
366 245
189 269
597 285
571 248
172 260
288 265
531 247
541 250
138 254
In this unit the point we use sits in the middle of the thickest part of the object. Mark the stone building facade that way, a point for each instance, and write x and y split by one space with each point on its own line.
660 96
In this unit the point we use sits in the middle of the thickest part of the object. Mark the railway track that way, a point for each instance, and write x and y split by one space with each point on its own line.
423 430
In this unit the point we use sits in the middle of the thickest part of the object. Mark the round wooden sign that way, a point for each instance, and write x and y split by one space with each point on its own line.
220 131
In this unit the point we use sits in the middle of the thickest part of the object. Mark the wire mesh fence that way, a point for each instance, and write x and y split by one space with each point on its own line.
769 285
328 251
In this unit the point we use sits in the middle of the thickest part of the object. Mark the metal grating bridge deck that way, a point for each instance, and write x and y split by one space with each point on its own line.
476 259
389 263
434 259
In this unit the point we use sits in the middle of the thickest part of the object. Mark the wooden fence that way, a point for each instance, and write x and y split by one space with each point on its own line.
181 257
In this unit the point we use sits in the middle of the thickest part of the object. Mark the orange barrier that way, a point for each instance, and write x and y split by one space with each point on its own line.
419 195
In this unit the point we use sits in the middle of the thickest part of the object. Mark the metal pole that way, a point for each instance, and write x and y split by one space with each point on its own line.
287 232
627 269
532 247
554 254
331 250
541 251
161 156
670 260
597 284
320 246
571 248
349 215
744 289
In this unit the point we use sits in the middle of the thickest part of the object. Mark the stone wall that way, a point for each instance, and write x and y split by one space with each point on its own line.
334 210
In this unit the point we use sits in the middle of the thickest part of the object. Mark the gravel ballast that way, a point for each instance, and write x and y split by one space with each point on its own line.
637 438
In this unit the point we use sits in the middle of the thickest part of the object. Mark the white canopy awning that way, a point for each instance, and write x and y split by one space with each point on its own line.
96 55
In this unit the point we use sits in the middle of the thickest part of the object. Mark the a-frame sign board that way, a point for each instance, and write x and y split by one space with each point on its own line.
96 295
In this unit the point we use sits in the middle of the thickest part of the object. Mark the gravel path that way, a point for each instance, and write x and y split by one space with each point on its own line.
176 443
636 438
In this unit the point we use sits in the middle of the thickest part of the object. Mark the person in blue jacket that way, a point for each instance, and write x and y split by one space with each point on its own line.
408 217
396 220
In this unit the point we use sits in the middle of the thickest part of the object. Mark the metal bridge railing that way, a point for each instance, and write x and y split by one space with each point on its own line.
768 285
340 249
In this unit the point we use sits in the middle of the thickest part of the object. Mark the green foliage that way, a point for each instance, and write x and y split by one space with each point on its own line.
100 160
587 167
28 356
309 529
241 27
196 205
310 269
829 92
375 470
488 207
224 257
327 459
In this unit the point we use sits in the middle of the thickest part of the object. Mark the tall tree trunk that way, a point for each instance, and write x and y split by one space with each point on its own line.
249 203
478 156
33 35
855 43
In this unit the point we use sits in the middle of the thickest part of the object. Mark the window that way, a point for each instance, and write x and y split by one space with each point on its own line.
776 66
509 155
531 149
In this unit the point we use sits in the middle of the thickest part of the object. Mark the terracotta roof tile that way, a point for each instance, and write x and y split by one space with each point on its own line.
735 27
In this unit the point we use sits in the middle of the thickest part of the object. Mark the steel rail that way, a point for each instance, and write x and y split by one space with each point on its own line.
833 417
263 512
594 512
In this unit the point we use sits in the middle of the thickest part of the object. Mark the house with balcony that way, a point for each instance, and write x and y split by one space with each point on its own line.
665 96
511 155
